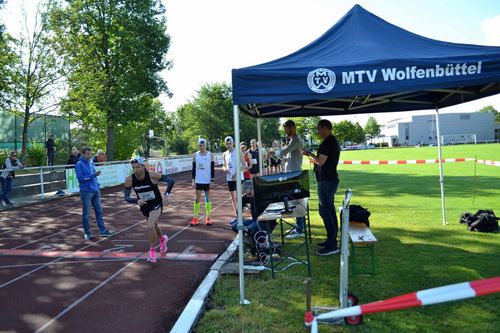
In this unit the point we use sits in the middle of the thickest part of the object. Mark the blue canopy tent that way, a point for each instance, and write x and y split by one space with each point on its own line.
364 64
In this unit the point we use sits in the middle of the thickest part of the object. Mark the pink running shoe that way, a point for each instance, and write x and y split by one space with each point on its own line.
194 221
207 221
163 244
152 255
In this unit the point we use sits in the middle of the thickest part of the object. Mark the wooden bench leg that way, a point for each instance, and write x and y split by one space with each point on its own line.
354 263
372 250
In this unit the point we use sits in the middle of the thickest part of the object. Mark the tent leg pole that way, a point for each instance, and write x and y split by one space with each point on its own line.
259 138
236 118
441 179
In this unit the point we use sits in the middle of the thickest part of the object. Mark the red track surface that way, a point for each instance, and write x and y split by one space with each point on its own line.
52 280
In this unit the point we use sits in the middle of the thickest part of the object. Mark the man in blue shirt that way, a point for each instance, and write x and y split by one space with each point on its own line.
90 193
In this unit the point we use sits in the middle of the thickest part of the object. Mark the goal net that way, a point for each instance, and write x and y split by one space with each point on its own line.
458 139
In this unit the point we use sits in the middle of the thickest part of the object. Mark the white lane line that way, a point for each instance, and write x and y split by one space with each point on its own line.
41 221
93 243
81 299
67 309
66 262
57 260
65 230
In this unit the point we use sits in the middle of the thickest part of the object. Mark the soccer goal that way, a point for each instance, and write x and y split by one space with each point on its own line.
458 139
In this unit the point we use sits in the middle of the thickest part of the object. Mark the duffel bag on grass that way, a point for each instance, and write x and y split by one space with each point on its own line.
482 221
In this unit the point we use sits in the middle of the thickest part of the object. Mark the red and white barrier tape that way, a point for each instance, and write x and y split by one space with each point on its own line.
446 160
443 294
489 162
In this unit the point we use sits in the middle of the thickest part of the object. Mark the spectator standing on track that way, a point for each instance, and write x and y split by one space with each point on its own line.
7 176
254 153
292 157
73 157
90 193
275 158
325 169
248 161
150 201
50 145
230 168
263 158
203 174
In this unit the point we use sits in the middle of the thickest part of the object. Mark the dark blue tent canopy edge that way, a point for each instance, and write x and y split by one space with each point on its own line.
364 64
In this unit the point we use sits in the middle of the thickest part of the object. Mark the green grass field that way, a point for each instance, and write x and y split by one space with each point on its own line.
414 250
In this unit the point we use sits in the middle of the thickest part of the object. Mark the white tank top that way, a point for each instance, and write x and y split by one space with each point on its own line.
202 168
230 160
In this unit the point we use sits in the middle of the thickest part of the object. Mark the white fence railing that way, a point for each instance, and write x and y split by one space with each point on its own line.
112 173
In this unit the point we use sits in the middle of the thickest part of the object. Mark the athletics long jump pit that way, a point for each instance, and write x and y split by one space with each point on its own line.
53 280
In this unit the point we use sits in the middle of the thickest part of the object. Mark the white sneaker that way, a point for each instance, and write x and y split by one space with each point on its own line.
294 234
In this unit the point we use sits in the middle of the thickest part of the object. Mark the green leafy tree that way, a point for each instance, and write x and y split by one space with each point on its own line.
490 108
344 131
372 128
36 153
7 61
306 127
360 134
210 115
37 73
114 51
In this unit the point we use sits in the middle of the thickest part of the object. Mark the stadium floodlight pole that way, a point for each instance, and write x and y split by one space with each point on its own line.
441 179
236 118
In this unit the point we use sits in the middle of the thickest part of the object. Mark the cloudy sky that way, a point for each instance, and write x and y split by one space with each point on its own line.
209 38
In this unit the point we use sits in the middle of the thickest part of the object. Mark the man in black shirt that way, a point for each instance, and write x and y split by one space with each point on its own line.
51 150
325 169
149 200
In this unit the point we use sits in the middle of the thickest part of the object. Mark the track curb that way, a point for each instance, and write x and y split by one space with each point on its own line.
196 304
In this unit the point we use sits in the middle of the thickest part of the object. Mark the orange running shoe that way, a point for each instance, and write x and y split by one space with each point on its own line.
207 221
194 221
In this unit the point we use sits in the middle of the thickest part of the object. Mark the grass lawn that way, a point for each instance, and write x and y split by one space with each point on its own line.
414 250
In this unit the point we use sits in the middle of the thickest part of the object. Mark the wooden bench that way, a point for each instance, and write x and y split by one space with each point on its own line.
361 237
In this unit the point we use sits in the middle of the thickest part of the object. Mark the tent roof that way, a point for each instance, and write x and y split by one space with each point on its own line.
364 64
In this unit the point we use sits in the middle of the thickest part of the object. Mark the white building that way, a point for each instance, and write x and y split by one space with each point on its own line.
414 130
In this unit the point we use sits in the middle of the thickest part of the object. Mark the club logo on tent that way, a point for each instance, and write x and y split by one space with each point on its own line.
321 80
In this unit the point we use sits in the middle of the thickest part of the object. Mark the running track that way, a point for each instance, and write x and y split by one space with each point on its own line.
52 280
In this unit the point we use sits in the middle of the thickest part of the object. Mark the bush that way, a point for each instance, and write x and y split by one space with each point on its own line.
179 145
36 153
4 153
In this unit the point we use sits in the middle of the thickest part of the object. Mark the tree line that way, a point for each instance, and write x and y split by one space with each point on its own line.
99 63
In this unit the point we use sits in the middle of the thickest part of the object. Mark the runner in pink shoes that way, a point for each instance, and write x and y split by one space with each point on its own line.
150 201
